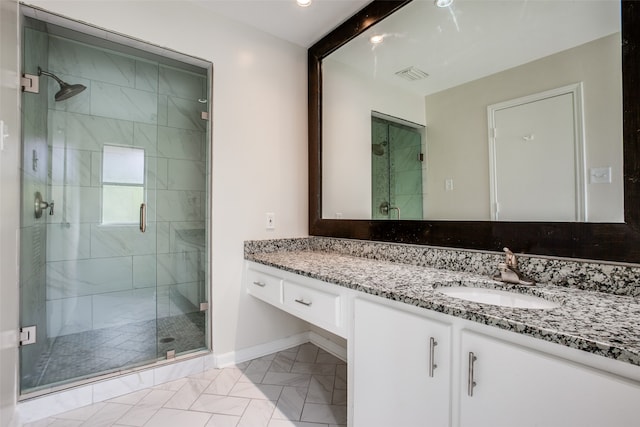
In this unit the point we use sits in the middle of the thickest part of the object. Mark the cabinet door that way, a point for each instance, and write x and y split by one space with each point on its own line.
516 386
391 363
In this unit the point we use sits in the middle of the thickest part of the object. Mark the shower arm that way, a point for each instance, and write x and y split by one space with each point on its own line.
41 72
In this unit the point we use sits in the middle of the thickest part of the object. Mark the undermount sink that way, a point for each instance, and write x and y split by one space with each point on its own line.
497 297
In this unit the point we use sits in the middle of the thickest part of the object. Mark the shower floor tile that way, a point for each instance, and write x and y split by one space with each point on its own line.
241 395
100 351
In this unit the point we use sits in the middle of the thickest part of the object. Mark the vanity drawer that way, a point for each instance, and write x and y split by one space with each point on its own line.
311 304
264 286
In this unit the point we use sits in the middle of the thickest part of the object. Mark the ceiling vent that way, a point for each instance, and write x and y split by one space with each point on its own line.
411 74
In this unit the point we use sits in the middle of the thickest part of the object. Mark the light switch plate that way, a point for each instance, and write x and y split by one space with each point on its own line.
448 184
4 134
600 175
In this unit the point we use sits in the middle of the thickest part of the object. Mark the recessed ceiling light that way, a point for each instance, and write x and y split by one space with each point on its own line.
378 38
443 3
303 3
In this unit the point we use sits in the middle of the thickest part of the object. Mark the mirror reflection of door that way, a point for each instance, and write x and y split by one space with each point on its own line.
537 156
396 170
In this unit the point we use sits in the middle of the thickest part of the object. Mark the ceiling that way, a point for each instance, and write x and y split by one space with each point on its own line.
285 19
488 35
472 39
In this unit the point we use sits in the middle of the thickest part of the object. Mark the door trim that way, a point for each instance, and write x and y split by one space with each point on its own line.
576 90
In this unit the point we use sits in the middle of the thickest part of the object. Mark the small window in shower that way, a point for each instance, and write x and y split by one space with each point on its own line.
122 184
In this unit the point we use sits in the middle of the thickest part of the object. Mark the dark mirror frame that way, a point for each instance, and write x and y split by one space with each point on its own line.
595 241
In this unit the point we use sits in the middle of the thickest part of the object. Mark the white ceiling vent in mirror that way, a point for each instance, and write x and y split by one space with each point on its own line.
412 74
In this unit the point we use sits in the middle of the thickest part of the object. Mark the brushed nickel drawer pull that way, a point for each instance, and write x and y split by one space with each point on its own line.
303 302
261 284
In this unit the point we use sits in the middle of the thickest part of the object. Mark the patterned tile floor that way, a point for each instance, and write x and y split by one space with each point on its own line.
85 354
300 387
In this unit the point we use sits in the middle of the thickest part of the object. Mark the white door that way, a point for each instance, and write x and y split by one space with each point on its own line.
536 153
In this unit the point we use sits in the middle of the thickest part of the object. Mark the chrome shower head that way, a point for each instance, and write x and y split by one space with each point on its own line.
378 149
66 90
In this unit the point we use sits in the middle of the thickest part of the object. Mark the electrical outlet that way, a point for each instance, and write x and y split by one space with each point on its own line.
270 218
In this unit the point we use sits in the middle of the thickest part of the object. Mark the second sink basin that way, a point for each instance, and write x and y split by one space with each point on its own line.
497 297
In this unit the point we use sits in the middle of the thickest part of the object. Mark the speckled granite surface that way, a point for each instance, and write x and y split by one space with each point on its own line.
601 323
618 279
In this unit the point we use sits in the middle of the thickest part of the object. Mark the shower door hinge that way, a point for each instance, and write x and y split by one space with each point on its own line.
27 335
204 306
171 354
30 83
204 115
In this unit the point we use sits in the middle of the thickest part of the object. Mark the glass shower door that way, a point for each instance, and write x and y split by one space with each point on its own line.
182 210
96 296
113 271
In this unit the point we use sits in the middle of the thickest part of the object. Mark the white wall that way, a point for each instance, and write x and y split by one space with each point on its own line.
348 99
259 143
9 212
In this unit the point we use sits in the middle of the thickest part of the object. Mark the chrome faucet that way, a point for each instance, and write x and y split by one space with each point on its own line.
508 271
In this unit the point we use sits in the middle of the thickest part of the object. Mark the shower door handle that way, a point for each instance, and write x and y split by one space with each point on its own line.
143 217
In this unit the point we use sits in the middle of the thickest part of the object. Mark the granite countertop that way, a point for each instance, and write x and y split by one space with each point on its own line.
596 322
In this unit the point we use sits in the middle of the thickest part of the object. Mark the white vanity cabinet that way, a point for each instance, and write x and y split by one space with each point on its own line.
485 377
519 386
401 368
409 366
322 304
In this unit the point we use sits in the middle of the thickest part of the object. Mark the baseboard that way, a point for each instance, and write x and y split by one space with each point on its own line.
249 353
327 345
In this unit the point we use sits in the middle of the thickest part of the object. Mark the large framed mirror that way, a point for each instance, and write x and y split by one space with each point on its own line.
480 125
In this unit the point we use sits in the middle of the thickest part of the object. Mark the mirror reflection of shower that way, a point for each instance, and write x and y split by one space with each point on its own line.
396 168
66 90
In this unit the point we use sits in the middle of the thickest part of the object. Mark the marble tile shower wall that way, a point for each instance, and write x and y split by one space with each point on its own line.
618 279
105 275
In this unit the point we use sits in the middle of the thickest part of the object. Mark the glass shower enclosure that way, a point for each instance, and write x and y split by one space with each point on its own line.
115 208
397 161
